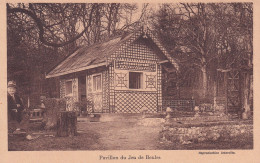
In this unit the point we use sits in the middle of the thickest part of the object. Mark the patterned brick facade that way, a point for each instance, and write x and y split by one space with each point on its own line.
136 54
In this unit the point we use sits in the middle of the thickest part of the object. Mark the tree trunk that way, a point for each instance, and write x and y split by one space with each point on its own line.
67 124
215 94
204 81
246 95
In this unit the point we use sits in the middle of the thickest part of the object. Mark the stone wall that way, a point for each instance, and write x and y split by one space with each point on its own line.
186 134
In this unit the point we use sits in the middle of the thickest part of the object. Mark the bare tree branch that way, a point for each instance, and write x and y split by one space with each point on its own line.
40 25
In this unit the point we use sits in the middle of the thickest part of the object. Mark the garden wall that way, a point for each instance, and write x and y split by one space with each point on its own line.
190 133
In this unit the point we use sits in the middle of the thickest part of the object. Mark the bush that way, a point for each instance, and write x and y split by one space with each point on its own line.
52 107
84 105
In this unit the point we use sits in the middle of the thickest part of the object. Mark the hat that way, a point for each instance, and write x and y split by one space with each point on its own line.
11 84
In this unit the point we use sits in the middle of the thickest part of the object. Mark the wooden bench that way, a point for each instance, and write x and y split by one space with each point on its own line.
36 115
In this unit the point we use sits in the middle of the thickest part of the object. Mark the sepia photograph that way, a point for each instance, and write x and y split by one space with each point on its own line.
129 76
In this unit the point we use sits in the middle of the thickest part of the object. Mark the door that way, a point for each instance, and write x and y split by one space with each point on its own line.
94 92
97 92
71 93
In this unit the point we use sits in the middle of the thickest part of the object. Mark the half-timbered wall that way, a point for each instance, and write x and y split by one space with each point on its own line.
99 99
111 88
159 87
105 92
89 90
135 57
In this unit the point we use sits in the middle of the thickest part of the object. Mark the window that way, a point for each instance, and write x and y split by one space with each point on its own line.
135 80
97 83
68 88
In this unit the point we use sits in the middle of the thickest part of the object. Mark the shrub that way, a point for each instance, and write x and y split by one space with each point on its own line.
52 107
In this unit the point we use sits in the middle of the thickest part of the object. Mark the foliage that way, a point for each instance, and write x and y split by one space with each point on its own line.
84 105
52 107
206 38
42 34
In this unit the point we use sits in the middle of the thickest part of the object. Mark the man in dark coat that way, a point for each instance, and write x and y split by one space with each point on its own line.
15 105
16 114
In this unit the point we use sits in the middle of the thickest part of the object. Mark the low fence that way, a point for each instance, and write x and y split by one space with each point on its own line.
186 105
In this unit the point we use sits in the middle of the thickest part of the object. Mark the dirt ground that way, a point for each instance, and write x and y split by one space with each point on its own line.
125 133
117 133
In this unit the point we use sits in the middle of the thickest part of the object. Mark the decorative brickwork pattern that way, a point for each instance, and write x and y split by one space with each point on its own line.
62 88
105 91
90 98
135 52
157 42
123 65
89 84
89 91
133 101
69 102
97 101
75 89
159 87
150 81
111 88
121 80
135 49
125 45
138 52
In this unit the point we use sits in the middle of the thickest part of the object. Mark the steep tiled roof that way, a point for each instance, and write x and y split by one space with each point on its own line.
85 57
92 56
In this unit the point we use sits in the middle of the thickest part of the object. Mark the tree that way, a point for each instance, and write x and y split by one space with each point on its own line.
41 34
60 24
236 46
191 36
30 10
205 37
